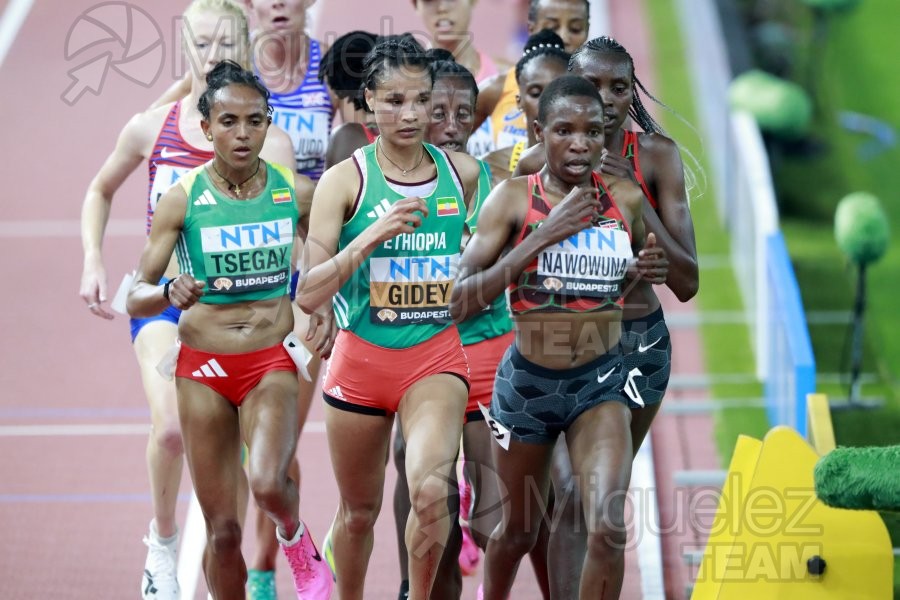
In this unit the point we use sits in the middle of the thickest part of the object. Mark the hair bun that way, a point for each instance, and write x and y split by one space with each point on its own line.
223 70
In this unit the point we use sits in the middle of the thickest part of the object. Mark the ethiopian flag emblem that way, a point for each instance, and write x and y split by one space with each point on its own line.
281 196
447 207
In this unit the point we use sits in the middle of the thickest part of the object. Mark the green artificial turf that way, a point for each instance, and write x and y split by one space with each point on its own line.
858 73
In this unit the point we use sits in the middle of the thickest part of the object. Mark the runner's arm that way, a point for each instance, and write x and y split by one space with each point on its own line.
278 148
304 188
145 298
531 161
344 141
483 274
323 270
124 159
673 226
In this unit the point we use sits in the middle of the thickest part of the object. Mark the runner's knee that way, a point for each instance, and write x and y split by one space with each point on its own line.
167 437
607 534
429 499
520 541
607 542
359 518
225 536
268 489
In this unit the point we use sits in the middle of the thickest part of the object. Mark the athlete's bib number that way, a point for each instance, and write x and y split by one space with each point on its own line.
591 263
248 257
308 130
406 290
500 433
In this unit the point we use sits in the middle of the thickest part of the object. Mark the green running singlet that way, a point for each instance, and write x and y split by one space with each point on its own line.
494 320
240 248
400 295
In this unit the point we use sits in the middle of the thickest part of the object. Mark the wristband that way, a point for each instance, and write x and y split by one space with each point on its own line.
166 288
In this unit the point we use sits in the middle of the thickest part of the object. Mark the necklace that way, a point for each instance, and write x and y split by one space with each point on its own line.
236 187
402 170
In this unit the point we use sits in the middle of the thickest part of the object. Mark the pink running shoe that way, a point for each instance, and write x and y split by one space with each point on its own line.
469 553
312 577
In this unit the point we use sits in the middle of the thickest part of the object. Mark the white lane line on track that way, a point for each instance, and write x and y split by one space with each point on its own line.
56 228
647 530
104 429
15 14
190 555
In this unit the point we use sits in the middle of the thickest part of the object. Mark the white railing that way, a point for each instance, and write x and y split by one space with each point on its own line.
742 185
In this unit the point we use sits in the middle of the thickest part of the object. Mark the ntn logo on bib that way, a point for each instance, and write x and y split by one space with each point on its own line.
592 262
226 238
411 289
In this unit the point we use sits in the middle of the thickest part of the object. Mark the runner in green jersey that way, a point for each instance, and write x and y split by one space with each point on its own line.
387 226
485 338
234 221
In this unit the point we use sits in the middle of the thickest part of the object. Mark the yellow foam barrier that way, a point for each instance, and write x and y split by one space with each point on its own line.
772 538
819 429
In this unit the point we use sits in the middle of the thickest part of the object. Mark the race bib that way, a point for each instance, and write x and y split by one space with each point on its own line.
308 131
411 290
592 263
498 431
166 177
481 142
248 257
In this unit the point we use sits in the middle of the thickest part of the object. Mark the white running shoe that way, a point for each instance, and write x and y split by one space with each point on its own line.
159 581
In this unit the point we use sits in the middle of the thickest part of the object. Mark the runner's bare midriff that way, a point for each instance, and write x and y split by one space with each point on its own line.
640 300
236 328
563 341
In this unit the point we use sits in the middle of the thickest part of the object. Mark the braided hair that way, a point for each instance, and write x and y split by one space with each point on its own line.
444 66
228 73
637 111
391 53
694 175
543 43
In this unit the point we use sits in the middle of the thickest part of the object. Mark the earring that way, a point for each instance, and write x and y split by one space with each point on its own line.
209 136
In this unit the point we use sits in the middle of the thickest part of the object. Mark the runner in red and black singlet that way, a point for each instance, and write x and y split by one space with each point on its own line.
653 161
564 373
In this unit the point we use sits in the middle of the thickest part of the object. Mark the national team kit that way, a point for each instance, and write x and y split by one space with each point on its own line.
397 303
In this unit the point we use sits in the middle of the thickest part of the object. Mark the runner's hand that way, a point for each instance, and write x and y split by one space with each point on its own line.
574 213
322 331
404 216
185 291
619 166
652 265
93 289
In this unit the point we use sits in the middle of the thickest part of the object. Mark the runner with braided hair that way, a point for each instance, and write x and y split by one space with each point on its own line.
651 160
